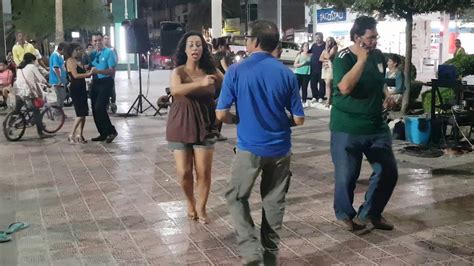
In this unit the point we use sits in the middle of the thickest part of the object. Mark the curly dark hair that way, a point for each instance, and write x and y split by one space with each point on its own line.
70 49
205 63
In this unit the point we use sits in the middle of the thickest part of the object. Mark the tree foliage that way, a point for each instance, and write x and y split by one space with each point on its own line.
37 17
397 8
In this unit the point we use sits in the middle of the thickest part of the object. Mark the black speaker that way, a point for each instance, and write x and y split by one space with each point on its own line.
170 33
136 36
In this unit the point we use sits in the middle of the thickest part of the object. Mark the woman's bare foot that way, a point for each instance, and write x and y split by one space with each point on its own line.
203 217
192 214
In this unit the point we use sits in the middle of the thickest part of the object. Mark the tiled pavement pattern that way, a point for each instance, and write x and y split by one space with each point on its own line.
120 204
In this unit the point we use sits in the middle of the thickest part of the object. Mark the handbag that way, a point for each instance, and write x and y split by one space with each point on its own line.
38 102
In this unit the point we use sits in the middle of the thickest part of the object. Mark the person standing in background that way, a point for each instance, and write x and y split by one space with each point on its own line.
42 67
302 66
318 88
21 48
326 57
57 73
459 49
223 61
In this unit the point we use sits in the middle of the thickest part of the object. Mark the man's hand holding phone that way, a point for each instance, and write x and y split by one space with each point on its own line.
360 50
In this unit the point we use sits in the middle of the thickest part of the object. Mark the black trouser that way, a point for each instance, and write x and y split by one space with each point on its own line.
101 92
318 86
113 97
36 116
303 81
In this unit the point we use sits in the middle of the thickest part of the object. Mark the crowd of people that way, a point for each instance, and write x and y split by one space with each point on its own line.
261 96
27 76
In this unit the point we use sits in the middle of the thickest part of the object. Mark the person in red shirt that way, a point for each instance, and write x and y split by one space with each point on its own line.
6 80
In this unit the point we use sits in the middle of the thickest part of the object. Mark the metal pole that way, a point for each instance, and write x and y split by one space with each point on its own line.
279 17
126 57
216 9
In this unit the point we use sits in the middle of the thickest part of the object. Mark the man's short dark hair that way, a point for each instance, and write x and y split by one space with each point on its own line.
62 46
320 34
266 33
98 33
361 24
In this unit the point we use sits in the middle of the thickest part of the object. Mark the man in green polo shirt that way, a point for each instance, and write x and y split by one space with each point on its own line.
357 128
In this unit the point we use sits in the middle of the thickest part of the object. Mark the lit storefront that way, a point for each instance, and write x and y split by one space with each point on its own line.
427 33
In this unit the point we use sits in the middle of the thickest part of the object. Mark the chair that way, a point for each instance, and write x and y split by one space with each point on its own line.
452 113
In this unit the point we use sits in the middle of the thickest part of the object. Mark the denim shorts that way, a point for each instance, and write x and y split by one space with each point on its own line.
207 143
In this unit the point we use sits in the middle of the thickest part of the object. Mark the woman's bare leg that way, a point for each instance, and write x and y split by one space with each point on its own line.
184 170
203 166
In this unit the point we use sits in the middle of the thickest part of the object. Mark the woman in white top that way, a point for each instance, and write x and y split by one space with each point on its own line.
28 78
326 57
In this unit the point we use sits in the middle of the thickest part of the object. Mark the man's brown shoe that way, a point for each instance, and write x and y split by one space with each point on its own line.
381 224
353 226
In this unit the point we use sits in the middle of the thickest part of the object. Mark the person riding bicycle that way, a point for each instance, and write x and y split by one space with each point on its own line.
28 87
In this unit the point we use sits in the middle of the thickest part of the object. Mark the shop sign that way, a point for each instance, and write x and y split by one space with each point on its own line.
327 15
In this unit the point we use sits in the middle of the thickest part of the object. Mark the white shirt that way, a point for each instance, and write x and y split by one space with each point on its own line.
27 78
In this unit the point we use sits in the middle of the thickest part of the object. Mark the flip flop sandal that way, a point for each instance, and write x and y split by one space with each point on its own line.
15 227
4 237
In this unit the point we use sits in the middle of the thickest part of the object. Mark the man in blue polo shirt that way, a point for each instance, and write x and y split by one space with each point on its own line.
57 73
263 90
104 62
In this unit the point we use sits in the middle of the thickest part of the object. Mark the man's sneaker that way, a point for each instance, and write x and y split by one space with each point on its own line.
320 100
381 224
111 137
352 225
314 100
99 138
44 136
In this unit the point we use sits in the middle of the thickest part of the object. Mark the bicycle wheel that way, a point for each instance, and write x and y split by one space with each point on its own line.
52 118
14 126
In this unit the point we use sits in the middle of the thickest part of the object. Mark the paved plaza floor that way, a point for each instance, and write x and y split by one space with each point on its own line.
121 204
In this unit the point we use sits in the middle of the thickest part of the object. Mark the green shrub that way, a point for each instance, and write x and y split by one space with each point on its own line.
447 95
402 64
464 64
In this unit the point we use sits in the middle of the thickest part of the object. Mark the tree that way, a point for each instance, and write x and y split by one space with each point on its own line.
59 21
400 9
37 18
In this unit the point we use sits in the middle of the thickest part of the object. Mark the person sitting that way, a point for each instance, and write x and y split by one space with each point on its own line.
394 72
6 79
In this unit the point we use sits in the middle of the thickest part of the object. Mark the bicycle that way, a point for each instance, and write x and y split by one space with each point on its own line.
21 117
